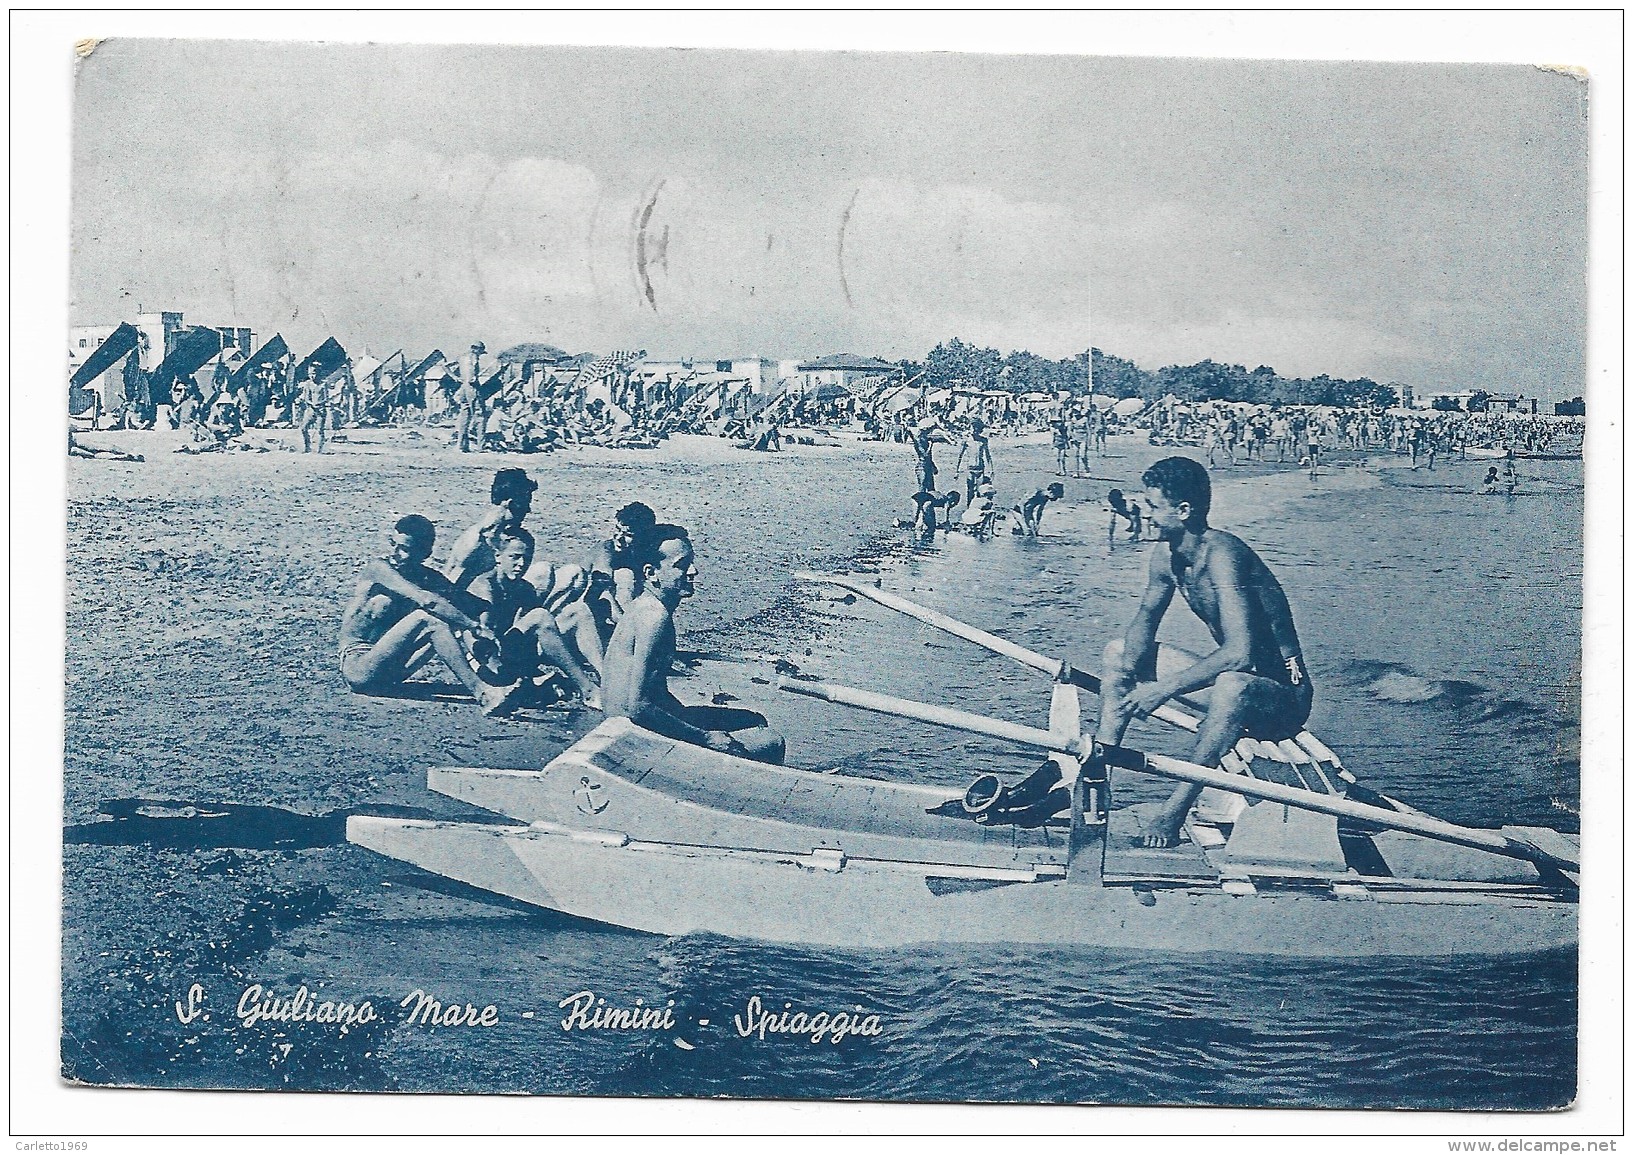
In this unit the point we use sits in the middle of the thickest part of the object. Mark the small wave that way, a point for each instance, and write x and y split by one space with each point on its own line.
1399 687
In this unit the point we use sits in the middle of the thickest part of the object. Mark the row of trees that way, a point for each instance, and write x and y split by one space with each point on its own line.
954 363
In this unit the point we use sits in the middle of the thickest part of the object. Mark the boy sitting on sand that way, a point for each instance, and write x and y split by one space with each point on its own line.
472 553
560 587
402 613
614 573
528 640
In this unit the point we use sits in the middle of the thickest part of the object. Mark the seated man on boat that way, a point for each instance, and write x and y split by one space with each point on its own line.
635 684
528 642
1258 682
402 613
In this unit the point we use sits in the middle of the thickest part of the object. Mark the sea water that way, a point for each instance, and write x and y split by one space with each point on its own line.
1441 628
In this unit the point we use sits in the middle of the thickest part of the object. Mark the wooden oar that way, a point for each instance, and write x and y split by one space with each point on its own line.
1054 667
1412 823
936 715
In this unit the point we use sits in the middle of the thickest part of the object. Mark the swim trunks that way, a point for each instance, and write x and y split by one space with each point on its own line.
356 648
1290 703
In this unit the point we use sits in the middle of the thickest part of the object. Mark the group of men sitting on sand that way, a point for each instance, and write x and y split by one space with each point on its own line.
516 631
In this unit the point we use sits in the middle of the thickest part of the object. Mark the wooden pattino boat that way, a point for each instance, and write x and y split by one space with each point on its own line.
1286 855
639 831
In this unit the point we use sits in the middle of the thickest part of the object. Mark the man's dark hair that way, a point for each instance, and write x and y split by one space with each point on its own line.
417 527
649 549
638 515
511 483
1181 479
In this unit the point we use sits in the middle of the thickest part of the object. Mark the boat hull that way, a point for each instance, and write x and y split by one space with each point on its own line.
824 898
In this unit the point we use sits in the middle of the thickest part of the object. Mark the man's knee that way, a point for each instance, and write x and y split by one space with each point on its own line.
428 625
1111 659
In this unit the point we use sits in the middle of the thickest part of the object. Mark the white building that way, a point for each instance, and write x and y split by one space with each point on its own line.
760 373
158 333
841 369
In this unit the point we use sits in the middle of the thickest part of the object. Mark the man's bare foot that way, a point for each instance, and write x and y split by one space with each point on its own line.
1164 831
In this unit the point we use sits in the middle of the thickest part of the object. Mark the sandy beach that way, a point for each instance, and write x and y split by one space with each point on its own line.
205 811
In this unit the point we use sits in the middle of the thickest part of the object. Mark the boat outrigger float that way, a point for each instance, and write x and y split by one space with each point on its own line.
1287 853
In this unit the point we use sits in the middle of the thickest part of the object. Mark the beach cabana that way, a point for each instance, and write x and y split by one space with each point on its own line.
194 347
270 353
118 344
327 358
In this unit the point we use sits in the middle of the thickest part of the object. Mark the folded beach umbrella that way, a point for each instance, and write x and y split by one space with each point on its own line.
113 348
327 357
193 348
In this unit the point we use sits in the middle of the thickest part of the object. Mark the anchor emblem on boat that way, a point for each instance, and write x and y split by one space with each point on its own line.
589 797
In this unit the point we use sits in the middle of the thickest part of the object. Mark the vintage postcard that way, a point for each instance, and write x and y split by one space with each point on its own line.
899 577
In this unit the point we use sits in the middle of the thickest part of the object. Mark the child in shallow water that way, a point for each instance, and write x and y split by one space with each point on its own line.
1129 511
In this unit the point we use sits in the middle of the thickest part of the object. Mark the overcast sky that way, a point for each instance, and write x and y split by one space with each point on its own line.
1416 223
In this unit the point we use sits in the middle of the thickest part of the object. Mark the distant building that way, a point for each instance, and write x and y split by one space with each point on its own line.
1575 407
841 369
1459 399
158 332
1442 399
759 373
1510 403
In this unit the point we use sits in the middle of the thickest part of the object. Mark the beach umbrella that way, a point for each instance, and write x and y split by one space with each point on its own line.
272 351
533 351
113 348
1128 406
326 358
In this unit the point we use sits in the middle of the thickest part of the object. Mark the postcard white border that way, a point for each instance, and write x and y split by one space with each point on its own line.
41 44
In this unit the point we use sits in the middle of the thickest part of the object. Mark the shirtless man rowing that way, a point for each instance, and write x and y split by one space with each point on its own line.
635 684
1259 685
402 612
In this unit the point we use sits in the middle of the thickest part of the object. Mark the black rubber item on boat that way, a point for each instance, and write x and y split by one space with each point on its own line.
1031 816
983 794
988 793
